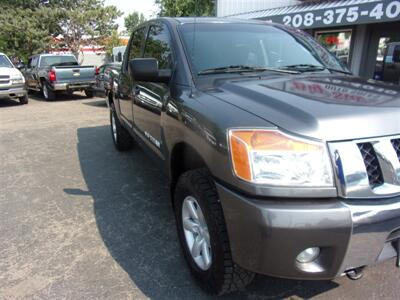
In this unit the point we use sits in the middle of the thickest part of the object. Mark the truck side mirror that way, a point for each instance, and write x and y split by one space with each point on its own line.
20 66
146 69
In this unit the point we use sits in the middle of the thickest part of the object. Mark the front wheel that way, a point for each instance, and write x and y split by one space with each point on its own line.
203 236
89 93
24 100
121 137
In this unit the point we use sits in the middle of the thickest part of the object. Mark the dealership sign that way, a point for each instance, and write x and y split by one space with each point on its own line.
370 12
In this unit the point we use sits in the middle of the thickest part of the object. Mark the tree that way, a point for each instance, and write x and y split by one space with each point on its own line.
85 21
184 8
27 26
113 41
133 20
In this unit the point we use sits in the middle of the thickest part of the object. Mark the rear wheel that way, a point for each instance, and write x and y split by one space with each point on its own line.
203 235
24 100
48 93
122 139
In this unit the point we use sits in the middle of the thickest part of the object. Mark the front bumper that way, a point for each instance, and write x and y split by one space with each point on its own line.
74 86
267 235
13 92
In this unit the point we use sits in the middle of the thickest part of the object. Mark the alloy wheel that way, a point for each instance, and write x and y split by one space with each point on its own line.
114 127
196 233
45 91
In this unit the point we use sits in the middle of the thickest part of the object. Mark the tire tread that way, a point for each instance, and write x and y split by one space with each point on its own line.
234 277
124 139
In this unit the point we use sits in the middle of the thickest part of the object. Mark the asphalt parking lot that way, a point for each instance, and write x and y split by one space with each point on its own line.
79 220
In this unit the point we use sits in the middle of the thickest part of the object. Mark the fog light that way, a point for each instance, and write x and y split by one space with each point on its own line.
308 255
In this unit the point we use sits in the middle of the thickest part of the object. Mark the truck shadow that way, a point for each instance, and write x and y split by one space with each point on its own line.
9 103
60 97
136 222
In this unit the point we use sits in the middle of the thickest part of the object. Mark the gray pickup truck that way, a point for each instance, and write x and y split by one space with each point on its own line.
52 73
280 161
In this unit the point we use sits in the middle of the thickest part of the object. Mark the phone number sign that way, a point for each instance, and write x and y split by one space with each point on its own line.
371 12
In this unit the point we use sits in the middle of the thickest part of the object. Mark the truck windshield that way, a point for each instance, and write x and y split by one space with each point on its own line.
217 46
58 60
5 62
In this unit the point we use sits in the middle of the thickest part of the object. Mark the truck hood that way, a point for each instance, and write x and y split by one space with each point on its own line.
320 106
9 72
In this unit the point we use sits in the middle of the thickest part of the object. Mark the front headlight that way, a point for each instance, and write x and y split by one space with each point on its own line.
17 79
274 158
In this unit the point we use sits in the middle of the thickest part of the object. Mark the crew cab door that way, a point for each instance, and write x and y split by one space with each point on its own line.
125 87
151 97
30 72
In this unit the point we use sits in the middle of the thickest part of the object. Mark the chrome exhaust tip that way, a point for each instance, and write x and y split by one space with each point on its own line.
355 274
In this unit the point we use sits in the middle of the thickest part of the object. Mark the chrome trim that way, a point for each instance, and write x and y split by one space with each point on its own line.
350 172
388 161
59 86
6 94
146 97
372 225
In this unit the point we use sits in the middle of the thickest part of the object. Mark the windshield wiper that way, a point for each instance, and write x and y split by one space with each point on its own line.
242 68
339 71
304 67
312 68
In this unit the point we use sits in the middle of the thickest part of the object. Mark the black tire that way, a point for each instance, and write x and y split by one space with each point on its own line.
47 92
223 276
89 93
24 100
123 141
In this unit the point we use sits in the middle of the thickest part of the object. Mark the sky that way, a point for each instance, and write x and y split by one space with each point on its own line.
146 7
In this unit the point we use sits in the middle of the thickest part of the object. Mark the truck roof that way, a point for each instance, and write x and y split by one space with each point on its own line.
185 20
54 54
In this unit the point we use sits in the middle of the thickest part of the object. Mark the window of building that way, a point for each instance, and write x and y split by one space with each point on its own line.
338 42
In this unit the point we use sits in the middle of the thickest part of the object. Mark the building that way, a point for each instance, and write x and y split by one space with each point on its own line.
357 31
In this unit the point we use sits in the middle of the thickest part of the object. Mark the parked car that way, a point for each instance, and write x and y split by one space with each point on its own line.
105 75
280 161
391 63
388 67
12 83
53 73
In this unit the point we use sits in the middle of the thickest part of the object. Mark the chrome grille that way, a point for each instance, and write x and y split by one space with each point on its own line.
396 146
368 168
4 79
371 164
